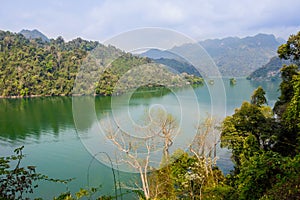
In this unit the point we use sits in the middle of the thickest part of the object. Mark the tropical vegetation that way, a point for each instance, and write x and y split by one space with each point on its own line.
36 67
265 146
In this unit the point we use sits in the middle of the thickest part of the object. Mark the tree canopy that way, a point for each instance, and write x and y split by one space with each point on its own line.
31 67
265 147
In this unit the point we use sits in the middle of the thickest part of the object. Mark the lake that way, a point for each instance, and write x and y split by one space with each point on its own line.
61 143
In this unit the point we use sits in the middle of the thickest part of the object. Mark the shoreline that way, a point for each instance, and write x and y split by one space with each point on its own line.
29 96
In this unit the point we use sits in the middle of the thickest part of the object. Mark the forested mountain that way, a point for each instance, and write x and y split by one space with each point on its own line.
35 67
269 71
240 56
235 57
34 34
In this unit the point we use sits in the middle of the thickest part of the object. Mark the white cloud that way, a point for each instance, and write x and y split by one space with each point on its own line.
200 19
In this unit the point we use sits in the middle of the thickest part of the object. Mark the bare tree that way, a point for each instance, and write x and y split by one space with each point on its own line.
138 152
204 148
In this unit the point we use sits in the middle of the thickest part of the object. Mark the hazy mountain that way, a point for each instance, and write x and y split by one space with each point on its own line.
174 62
281 40
235 57
178 66
157 54
240 56
269 71
33 34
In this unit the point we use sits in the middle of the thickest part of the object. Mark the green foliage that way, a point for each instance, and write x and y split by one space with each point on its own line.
31 67
266 148
290 50
34 67
287 107
252 133
286 182
290 135
286 88
247 121
292 114
189 178
17 181
258 97
258 174
232 81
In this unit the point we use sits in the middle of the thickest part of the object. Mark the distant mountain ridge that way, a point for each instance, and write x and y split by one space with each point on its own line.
234 57
241 56
34 34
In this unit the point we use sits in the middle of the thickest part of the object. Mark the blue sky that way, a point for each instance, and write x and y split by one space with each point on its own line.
100 19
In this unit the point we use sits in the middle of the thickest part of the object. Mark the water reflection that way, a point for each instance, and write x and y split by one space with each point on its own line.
47 124
22 118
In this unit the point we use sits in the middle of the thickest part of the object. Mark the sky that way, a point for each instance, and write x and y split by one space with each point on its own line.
198 19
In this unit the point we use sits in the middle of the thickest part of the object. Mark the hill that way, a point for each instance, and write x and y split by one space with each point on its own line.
34 34
269 71
30 67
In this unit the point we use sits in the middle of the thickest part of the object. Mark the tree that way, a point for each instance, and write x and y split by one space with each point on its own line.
136 151
290 137
286 88
287 107
204 172
16 182
290 50
248 121
258 97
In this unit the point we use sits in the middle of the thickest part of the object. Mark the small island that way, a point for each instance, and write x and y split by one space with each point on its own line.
232 81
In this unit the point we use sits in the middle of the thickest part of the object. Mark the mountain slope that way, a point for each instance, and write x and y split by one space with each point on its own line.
240 56
234 57
34 34
269 71
157 54
174 62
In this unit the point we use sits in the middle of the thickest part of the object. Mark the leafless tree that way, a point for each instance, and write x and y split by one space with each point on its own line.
204 147
138 152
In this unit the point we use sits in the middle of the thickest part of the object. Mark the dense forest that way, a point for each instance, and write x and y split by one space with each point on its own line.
265 145
31 67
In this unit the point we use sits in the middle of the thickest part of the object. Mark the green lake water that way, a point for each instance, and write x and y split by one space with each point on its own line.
58 147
